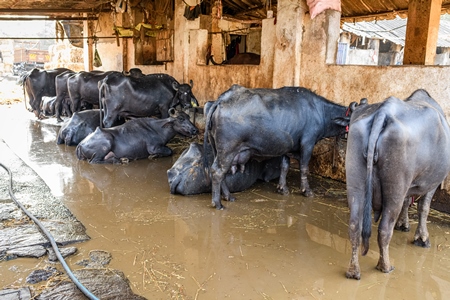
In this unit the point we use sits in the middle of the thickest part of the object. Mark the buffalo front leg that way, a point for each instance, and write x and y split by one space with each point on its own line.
421 237
282 187
304 185
161 151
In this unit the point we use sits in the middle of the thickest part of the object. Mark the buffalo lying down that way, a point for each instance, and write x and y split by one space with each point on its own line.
395 149
79 126
188 177
136 139
265 123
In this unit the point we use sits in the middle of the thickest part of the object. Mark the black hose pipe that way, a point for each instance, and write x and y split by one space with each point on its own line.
50 238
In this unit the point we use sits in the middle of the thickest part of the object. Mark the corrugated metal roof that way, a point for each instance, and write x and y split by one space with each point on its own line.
369 10
394 30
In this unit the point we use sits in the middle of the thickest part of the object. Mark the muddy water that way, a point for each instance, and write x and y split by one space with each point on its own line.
263 246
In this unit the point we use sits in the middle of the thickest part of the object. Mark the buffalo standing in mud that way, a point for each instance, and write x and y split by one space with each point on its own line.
150 95
83 86
38 83
62 102
265 123
395 149
136 139
187 176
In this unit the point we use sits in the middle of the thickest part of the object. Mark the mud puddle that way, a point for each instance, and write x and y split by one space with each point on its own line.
263 246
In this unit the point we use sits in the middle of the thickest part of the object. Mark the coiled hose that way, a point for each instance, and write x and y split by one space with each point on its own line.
50 238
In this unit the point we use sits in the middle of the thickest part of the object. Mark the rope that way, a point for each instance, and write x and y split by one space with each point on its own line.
50 238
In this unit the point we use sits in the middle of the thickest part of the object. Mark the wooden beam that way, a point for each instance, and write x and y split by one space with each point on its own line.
422 32
88 42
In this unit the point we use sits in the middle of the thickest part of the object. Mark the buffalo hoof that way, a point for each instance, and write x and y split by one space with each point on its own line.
308 193
385 269
218 206
230 198
353 275
420 243
402 227
59 120
283 191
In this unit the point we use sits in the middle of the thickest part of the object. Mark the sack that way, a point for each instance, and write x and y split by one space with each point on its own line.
318 6
97 60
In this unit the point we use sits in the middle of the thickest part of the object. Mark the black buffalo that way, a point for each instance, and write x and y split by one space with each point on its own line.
136 139
79 126
266 123
38 83
62 102
395 149
151 95
83 86
187 176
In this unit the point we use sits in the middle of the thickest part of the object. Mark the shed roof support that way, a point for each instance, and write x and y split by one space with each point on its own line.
422 32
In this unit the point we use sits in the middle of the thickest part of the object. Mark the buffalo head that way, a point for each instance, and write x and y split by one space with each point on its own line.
345 121
184 95
180 122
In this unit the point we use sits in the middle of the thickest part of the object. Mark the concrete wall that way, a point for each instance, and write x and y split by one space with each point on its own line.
347 83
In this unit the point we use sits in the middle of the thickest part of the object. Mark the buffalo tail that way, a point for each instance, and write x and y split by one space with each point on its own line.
377 127
206 140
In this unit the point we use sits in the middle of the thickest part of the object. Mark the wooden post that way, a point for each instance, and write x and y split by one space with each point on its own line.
422 32
216 38
125 55
87 47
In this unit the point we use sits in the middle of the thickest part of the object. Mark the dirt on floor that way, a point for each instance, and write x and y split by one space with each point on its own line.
10 91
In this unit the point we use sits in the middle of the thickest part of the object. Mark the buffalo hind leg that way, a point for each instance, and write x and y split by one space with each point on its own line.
226 195
421 237
354 233
403 220
385 230
219 168
282 187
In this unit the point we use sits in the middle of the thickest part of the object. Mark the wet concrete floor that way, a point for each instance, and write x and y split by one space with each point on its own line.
263 246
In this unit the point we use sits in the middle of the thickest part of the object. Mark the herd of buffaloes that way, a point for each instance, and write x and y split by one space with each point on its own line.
396 148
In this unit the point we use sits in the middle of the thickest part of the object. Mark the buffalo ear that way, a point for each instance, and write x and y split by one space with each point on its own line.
175 85
343 121
191 83
172 112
